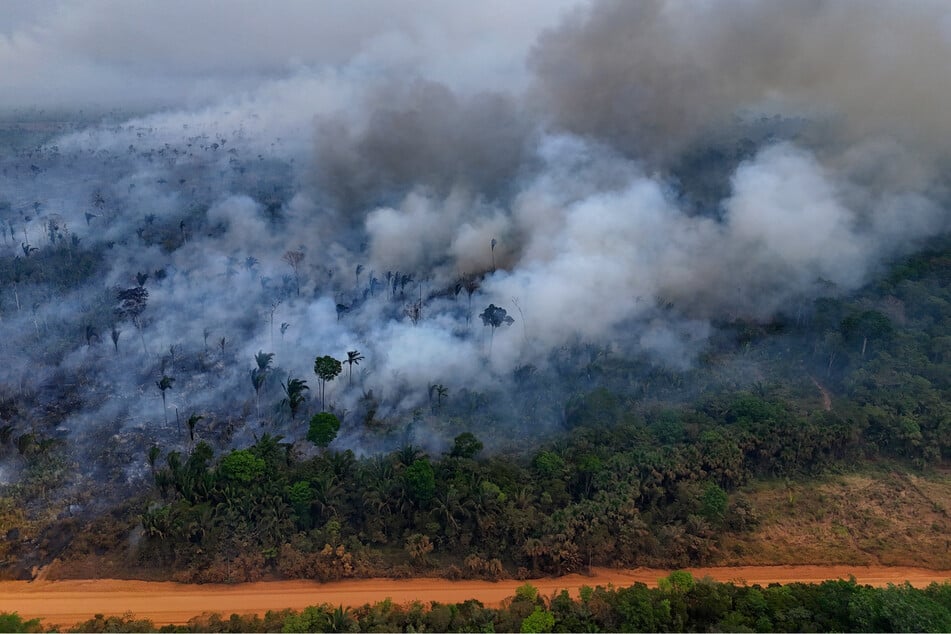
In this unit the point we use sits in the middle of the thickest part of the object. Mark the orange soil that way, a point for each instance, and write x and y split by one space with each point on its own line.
68 602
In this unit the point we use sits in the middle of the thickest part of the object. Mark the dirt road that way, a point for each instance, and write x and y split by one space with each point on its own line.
68 602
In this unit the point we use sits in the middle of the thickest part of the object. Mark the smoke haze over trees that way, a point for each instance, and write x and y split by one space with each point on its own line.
624 175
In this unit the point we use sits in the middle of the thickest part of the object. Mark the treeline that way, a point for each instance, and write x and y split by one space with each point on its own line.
679 604
639 491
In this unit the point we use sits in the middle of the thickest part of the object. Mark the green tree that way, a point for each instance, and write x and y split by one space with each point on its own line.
897 609
310 619
301 494
241 466
678 582
323 429
13 622
420 480
540 620
466 445
870 324
526 592
713 503
327 369
549 464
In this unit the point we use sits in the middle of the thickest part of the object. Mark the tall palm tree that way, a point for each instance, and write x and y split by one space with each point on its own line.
259 375
295 260
165 383
471 284
353 358
441 391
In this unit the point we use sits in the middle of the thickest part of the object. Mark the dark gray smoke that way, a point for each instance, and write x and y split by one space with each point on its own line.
654 77
411 137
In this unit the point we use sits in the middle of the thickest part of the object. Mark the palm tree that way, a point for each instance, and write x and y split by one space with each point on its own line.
328 494
441 392
294 392
534 548
192 422
295 259
259 375
447 505
418 546
165 383
407 454
341 620
353 358
471 284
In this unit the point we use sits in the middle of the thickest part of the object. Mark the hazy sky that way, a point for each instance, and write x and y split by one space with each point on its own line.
117 52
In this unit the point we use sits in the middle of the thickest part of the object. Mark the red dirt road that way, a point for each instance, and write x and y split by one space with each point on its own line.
69 602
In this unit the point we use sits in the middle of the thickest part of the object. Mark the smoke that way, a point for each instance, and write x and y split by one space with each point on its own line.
109 53
655 76
412 137
372 179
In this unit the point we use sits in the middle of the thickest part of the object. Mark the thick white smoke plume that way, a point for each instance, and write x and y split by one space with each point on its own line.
646 171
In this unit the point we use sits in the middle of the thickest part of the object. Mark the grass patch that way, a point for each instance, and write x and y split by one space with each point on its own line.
881 515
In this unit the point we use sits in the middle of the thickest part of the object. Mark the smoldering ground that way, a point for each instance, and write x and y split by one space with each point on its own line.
646 172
